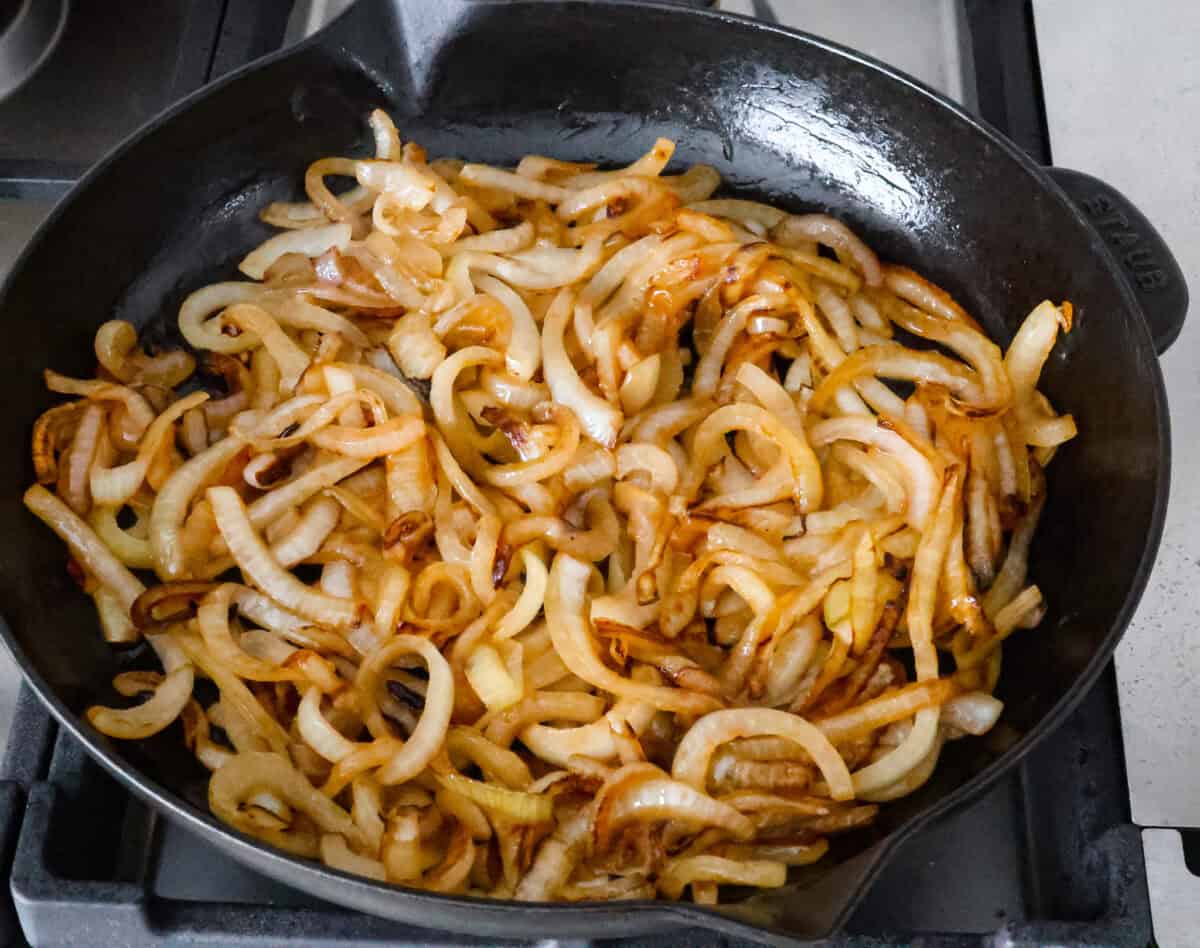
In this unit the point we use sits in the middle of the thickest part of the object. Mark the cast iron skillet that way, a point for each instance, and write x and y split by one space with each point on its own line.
29 32
784 117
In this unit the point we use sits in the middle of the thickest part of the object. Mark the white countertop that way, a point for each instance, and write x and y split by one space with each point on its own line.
1137 126
1122 92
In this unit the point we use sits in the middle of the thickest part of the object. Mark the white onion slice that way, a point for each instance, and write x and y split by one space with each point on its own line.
310 241
695 751
260 567
150 717
599 419
426 739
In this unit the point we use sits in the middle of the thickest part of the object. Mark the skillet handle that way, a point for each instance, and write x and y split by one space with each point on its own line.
1152 270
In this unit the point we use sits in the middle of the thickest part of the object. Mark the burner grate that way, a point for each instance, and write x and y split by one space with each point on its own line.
1032 863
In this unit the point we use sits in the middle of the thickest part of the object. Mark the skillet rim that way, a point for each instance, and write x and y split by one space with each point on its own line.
575 917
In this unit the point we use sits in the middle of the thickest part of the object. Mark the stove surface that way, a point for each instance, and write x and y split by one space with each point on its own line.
1028 864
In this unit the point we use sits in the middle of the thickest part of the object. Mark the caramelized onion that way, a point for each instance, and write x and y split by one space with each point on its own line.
531 481
248 773
256 561
695 751
150 717
565 601
690 870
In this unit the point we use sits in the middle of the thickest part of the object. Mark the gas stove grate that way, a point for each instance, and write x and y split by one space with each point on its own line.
1047 857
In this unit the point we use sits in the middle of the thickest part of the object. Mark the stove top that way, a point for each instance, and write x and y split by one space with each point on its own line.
116 66
1048 856
1030 864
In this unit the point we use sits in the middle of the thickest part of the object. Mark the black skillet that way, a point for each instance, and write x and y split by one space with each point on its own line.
784 117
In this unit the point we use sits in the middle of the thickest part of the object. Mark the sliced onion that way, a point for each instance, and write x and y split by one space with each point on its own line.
289 357
138 413
530 602
458 478
911 781
555 860
316 523
641 383
204 333
975 713
417 351
516 805
655 461
597 741
897 763
249 773
301 314
426 739
337 855
115 623
404 182
792 654
566 603
695 751
465 811
743 211
245 710
859 721
118 351
487 674
891 360
266 645
115 486
485 176
599 419
311 241
79 458
256 562
1015 568
927 568
524 353
623 187
367 811
391 436
270 615
921 480
87 548
134 552
796 471
729 548
498 764
832 233
543 706
170 506
551 462
316 730
1031 346
508 240
366 757
296 491
658 799
679 874
150 717
397 397
213 619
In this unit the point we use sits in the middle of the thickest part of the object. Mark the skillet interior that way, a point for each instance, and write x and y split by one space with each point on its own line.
783 117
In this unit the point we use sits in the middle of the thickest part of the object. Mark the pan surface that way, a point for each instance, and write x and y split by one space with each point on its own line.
784 117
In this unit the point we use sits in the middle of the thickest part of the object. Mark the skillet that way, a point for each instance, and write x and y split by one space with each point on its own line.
784 117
